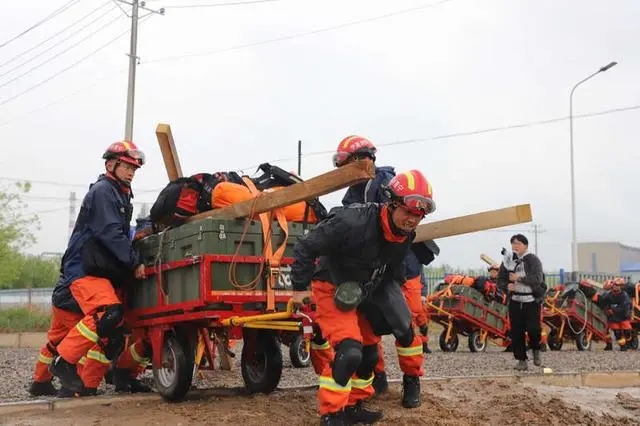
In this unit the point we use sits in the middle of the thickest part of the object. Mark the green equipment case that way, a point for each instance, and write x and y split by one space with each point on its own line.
209 236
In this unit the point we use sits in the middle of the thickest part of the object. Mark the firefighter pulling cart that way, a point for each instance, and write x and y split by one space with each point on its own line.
222 275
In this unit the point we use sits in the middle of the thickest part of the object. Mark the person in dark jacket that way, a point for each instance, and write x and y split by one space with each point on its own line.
354 148
356 289
523 277
617 305
87 313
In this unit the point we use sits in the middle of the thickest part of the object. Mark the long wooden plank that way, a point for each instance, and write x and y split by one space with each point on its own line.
474 222
334 180
169 152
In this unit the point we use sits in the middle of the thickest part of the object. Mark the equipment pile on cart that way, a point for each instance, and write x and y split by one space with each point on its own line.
571 315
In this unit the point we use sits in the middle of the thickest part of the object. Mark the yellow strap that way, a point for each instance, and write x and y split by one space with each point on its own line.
272 258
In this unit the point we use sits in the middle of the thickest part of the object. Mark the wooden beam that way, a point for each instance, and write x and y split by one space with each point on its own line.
334 180
474 222
169 152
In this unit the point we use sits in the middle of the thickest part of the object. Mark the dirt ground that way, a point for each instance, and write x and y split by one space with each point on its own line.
459 402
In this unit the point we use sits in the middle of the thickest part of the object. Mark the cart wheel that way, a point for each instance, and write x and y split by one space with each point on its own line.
260 361
583 342
451 345
553 341
173 379
475 342
300 357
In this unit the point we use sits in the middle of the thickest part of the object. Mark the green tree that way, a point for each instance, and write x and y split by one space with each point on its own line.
16 233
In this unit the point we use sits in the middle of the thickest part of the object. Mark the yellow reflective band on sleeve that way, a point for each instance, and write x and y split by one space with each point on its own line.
86 332
136 357
45 359
83 360
329 384
410 351
97 356
362 383
322 347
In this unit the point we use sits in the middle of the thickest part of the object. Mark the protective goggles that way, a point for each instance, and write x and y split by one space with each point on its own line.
339 158
418 205
136 155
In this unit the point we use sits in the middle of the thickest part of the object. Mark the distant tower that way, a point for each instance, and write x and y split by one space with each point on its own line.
72 213
144 211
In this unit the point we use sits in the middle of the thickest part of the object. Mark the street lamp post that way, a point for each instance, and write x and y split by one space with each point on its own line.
574 242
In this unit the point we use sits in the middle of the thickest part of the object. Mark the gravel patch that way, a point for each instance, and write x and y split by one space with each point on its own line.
16 366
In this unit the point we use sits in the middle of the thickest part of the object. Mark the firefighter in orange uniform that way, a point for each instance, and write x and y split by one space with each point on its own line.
356 289
354 148
98 258
617 305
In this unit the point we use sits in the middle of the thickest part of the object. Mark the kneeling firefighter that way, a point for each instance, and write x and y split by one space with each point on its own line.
98 260
356 290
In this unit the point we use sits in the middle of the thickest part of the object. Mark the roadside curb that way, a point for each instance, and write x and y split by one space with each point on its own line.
612 379
32 340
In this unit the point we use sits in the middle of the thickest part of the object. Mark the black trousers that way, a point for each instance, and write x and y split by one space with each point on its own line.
524 318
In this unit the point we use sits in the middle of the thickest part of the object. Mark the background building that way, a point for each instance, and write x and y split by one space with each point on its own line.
609 258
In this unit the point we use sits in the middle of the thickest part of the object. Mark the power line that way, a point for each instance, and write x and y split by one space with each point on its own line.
42 21
472 132
60 184
8 61
84 58
233 3
94 82
292 36
60 53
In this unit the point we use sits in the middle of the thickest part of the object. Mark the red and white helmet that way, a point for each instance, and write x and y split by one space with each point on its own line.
413 192
353 146
125 151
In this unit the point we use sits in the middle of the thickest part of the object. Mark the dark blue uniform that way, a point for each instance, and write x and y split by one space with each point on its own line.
104 218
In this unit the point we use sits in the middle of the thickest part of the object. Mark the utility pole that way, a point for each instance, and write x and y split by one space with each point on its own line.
72 214
136 5
535 233
299 158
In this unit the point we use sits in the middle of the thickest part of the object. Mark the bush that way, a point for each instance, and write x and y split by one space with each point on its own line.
17 320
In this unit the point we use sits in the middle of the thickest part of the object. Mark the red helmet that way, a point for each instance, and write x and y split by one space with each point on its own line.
353 146
126 152
413 191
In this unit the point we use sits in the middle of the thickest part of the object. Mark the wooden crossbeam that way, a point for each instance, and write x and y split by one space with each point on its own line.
334 180
169 152
474 222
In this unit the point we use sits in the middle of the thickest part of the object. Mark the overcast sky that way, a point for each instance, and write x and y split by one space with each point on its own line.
239 100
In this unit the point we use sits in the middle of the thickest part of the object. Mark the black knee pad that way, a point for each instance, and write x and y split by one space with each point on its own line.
406 340
110 320
369 361
115 344
347 359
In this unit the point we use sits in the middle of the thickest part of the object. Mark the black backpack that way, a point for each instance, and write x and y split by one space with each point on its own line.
275 176
183 198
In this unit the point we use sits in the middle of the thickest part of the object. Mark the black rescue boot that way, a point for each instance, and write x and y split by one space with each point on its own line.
67 374
425 348
125 383
334 419
66 393
411 391
357 414
380 383
537 360
42 389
